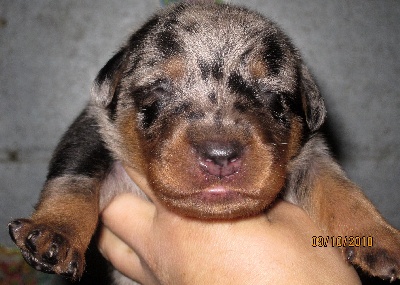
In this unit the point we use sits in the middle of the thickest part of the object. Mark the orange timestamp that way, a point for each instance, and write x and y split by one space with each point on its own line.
342 241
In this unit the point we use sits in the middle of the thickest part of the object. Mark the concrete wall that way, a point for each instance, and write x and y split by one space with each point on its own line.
50 51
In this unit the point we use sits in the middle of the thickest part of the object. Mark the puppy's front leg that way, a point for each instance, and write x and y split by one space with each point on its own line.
56 237
339 207
355 226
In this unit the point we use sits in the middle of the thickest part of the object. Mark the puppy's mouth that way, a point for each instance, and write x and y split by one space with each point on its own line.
217 202
218 194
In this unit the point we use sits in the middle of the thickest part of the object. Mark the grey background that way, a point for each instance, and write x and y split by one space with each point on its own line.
51 50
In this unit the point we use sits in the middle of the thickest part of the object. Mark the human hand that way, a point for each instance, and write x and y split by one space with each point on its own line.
152 245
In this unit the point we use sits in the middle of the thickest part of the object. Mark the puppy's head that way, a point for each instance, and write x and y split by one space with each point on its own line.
209 103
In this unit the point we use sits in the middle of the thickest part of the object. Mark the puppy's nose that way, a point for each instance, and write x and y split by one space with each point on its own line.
220 159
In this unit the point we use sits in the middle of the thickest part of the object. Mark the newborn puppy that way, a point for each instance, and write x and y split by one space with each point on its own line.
214 108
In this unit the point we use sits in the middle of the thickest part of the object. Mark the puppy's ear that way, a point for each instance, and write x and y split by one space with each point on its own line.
313 104
104 86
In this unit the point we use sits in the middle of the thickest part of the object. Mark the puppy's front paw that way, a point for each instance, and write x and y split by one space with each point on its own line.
381 259
46 249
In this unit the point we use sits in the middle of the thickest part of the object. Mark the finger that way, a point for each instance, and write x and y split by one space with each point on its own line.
129 218
119 254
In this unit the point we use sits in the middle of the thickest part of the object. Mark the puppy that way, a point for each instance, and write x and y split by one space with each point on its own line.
214 108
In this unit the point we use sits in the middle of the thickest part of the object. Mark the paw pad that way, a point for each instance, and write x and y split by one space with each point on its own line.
45 249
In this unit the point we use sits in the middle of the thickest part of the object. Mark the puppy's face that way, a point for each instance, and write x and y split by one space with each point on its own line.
210 103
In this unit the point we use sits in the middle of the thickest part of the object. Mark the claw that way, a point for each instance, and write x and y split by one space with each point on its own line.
31 240
350 254
393 276
13 228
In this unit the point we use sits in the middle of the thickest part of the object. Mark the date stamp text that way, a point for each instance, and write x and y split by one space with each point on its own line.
342 241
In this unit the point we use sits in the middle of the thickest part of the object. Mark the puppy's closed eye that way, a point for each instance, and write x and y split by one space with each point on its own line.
150 100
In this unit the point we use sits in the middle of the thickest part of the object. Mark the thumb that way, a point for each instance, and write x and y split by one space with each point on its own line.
129 218
126 225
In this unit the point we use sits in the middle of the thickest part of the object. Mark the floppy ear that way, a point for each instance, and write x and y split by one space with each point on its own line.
313 104
105 84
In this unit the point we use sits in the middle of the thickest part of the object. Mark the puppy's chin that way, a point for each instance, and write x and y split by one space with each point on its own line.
215 203
218 202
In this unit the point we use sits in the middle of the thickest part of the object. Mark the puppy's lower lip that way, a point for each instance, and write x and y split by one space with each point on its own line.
218 194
